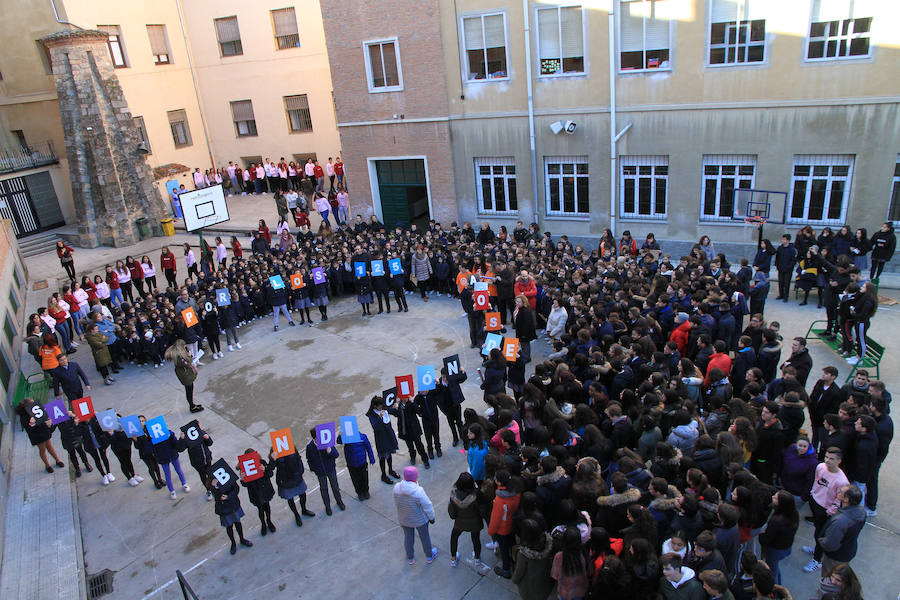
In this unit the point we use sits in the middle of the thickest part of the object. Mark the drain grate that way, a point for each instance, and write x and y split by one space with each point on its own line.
99 584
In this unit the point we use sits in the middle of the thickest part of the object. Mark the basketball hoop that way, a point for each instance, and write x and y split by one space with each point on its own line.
754 220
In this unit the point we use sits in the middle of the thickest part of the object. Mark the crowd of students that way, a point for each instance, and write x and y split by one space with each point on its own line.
660 450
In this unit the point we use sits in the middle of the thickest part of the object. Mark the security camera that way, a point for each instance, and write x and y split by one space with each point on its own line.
556 127
570 127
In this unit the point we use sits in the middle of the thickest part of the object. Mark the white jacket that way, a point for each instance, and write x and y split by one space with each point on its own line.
556 322
414 509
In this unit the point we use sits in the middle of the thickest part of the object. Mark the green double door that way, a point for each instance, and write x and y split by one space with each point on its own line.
403 192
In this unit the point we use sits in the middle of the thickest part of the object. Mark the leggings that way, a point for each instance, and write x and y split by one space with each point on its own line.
124 458
454 542
189 394
877 268
127 292
168 472
214 343
390 464
401 299
192 270
151 283
170 277
409 540
860 329
423 287
100 460
230 531
265 513
153 469
70 269
74 453
139 286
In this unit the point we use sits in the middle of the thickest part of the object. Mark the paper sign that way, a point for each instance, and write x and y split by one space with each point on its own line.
492 321
482 301
158 430
282 442
396 266
108 420
491 341
359 269
37 411
510 348
224 474
250 466
480 286
208 306
451 363
377 268
425 378
318 275
405 386
223 298
349 429
192 435
131 425
189 316
83 409
277 282
390 396
325 436
297 281
57 411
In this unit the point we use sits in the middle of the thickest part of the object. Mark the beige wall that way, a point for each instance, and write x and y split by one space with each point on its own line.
264 75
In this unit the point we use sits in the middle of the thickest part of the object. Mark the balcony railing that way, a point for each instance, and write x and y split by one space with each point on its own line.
27 157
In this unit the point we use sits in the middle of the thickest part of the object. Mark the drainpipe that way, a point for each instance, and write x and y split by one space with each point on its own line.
613 174
534 173
187 49
62 21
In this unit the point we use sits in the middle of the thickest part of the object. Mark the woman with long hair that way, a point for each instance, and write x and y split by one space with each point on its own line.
778 537
149 273
840 583
861 313
40 432
185 370
570 568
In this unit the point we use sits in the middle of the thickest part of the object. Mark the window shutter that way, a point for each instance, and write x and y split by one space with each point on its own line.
157 34
548 30
227 30
299 102
285 21
632 27
472 33
177 115
242 110
572 31
724 11
494 32
658 26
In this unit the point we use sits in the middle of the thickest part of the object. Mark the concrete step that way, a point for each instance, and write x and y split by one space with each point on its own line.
38 244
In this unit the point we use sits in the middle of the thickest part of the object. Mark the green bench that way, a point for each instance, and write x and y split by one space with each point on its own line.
874 350
36 387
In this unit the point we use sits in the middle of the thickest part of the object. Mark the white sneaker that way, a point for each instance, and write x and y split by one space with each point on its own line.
491 545
215 356
208 496
139 478
852 360
809 549
230 348
106 480
172 495
156 366
132 482
111 477
238 345
812 565
187 489
871 513
74 344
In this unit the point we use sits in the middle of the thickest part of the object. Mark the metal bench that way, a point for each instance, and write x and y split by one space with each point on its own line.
874 350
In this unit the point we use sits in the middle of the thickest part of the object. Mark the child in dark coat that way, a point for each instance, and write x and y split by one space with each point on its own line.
385 439
201 458
355 455
228 507
261 492
289 478
409 429
322 463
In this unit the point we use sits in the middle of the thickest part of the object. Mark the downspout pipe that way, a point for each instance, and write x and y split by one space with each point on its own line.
530 87
62 21
613 173
187 49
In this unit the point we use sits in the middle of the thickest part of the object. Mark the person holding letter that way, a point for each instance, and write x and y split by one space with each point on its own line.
385 439
322 463
355 456
450 399
40 433
409 429
166 453
259 488
200 456
289 478
228 507
145 452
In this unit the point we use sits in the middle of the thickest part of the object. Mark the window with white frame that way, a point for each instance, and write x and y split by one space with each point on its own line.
894 209
643 187
495 185
244 119
644 35
722 174
383 66
566 183
839 29
561 40
114 45
737 32
820 188
484 38
159 45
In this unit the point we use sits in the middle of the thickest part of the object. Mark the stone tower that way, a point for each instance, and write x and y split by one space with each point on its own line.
112 185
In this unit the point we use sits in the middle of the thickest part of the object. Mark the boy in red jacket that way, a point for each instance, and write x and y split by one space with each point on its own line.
506 502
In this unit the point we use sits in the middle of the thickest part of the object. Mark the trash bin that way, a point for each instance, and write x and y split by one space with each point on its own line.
168 227
143 227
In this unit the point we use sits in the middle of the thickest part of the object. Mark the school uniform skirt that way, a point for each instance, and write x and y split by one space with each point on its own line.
292 492
303 302
364 298
320 300
231 518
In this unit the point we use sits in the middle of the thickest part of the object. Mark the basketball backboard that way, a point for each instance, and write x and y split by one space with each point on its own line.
765 204
204 207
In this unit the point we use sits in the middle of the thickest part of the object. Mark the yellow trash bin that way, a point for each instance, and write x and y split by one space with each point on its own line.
168 227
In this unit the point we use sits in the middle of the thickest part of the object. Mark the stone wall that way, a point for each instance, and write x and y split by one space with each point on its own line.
112 185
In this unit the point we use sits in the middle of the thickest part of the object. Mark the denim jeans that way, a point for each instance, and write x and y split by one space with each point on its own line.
342 215
115 296
281 308
409 540
324 215
63 330
168 472
773 557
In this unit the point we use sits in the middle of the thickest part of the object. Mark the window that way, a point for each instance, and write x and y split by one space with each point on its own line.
894 210
383 66
723 174
14 301
114 45
484 38
159 44
820 188
495 185
244 121
284 21
142 132
560 40
644 35
737 32
178 123
566 184
229 36
299 119
9 329
839 29
643 187
21 139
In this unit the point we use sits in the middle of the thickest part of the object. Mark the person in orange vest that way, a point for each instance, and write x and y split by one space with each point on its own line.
506 502
465 273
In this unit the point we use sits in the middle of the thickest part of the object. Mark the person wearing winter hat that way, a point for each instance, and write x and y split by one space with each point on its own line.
415 512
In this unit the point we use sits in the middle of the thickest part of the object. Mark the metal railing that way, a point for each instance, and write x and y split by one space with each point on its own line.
27 157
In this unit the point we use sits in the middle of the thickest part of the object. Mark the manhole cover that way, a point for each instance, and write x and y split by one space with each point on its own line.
99 584
40 285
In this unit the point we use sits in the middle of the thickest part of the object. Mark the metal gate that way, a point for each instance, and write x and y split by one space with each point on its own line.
16 205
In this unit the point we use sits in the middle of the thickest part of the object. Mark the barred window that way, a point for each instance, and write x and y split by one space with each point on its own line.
566 182
820 188
644 186
229 36
299 118
722 175
495 185
284 20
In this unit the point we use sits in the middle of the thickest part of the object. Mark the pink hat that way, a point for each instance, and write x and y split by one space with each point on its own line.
410 474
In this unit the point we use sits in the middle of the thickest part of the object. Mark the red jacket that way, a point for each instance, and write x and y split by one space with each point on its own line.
137 273
112 280
505 505
167 261
719 360
236 249
318 171
680 336
529 290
